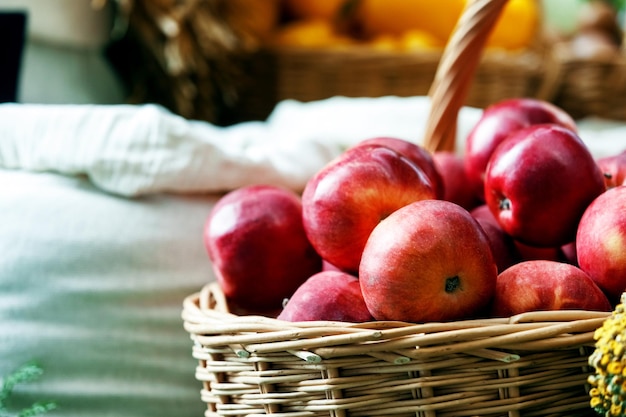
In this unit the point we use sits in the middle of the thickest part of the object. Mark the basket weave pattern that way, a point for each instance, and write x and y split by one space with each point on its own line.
534 364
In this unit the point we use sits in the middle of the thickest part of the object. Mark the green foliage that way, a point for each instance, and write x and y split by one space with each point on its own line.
617 4
28 372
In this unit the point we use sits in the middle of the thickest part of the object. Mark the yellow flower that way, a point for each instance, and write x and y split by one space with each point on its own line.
608 384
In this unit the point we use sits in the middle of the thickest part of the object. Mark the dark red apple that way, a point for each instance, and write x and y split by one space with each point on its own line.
256 242
534 253
538 183
568 253
503 246
345 200
601 241
330 296
415 153
496 123
427 261
546 285
456 186
614 169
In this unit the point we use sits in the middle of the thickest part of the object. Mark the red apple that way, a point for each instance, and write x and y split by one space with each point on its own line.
534 253
601 241
568 253
503 246
496 123
256 242
614 169
415 153
327 266
542 285
456 186
327 295
538 183
427 261
345 200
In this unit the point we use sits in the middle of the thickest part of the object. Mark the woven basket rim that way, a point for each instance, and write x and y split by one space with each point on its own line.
533 331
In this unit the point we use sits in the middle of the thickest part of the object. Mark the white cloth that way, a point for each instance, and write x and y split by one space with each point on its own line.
91 287
136 150
101 216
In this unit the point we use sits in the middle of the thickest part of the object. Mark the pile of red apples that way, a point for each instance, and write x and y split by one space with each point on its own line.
524 219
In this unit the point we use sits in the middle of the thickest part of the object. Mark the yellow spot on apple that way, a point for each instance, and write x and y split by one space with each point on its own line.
614 243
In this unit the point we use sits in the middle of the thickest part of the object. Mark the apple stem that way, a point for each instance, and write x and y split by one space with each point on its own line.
505 204
452 284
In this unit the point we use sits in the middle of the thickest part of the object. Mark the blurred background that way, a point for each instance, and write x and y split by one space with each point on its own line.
226 61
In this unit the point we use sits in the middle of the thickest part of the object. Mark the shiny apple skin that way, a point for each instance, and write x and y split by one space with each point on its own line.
416 154
542 285
329 296
428 261
503 246
614 169
456 185
496 123
259 250
601 242
539 182
347 198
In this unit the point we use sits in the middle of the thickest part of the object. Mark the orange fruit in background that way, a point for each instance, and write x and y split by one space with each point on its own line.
310 33
395 17
517 26
515 29
416 40
313 9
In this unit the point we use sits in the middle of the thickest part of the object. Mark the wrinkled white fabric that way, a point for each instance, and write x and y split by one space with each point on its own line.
137 150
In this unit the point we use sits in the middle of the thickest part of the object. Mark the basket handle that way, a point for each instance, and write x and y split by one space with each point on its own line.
456 70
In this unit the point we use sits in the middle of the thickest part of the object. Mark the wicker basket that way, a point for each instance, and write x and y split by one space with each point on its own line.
280 72
307 74
199 60
588 87
534 364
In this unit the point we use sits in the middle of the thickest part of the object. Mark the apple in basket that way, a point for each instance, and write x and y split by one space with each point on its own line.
542 285
614 169
601 241
456 186
327 295
503 246
259 251
416 154
428 261
538 183
497 122
347 198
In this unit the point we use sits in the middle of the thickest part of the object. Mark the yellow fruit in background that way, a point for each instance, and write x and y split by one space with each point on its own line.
419 40
515 29
395 17
384 43
517 25
310 33
313 9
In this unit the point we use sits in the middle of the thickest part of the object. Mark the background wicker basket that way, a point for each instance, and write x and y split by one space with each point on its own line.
586 68
534 364
307 74
589 87
206 60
